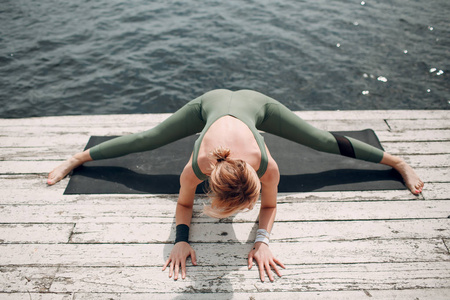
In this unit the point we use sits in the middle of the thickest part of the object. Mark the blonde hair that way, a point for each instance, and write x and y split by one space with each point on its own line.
233 185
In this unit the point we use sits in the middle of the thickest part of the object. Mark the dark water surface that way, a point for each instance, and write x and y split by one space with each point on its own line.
141 56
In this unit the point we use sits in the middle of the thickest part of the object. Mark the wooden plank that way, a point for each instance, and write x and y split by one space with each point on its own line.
436 190
228 254
76 142
36 181
13 279
54 195
434 294
35 233
38 296
294 279
347 196
402 149
331 280
308 211
61 131
88 120
15 190
429 293
52 155
419 124
414 135
27 167
373 114
423 161
133 233
434 174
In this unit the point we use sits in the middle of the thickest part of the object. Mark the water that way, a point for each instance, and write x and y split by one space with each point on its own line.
141 56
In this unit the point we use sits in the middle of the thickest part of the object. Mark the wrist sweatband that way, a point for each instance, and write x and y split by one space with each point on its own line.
262 236
182 233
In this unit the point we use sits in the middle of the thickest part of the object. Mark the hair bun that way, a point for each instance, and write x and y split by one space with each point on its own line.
221 154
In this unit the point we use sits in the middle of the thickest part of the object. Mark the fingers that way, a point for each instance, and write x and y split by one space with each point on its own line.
174 266
171 270
279 263
269 272
183 269
193 257
177 269
266 267
274 267
174 269
274 264
261 272
166 264
250 261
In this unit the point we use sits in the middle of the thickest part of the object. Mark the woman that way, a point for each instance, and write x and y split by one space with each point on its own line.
232 156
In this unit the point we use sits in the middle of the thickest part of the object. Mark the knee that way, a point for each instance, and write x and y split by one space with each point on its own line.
326 142
140 141
345 145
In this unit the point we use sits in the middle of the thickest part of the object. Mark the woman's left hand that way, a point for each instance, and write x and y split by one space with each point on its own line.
265 260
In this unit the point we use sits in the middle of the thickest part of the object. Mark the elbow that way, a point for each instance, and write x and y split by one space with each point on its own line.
269 207
189 206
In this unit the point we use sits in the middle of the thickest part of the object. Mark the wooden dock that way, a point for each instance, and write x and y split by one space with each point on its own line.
336 245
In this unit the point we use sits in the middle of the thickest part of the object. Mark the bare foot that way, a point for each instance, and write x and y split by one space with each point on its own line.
66 167
411 179
62 170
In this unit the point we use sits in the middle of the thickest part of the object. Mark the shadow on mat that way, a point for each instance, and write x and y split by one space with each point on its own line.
342 180
119 180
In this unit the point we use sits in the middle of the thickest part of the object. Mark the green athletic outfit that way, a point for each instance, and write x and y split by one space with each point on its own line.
257 111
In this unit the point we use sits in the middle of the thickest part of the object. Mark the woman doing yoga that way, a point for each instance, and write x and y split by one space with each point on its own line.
231 154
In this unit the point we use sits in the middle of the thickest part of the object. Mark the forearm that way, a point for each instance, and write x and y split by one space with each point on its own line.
267 217
269 194
183 217
183 214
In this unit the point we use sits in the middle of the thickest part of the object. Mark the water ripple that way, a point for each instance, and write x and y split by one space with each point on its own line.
111 56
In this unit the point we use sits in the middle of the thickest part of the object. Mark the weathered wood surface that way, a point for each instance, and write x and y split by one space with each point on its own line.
143 233
213 279
336 245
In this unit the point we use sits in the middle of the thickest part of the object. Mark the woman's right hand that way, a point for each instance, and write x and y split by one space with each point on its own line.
180 252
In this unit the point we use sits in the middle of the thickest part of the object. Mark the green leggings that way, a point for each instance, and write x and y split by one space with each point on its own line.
257 111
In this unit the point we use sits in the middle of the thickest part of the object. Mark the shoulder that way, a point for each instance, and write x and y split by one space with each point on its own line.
269 185
272 175
188 177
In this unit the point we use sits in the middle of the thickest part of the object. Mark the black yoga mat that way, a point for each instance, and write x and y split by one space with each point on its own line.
302 169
